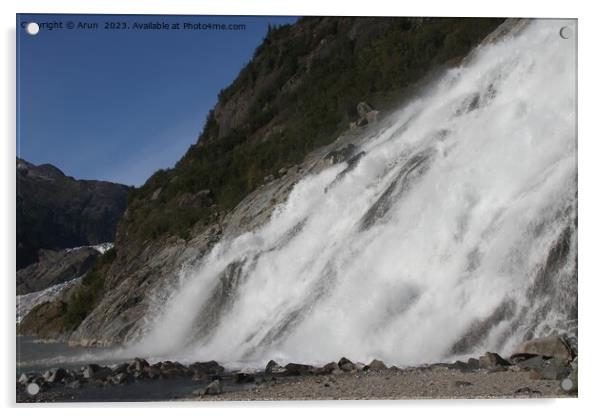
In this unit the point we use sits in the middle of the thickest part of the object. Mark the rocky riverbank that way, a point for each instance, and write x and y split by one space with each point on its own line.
539 368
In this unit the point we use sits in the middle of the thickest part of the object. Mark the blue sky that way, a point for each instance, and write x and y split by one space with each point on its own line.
120 104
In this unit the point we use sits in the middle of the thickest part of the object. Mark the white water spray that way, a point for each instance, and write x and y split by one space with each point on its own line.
455 233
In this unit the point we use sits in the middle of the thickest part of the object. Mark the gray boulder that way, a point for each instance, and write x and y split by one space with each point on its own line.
213 388
242 378
294 369
56 375
25 378
207 367
376 365
96 372
326 369
465 367
546 369
346 365
492 360
552 346
121 378
139 364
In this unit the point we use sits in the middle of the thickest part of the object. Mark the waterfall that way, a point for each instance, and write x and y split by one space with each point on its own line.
453 232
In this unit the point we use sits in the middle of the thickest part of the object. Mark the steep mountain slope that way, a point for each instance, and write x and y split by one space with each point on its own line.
274 125
55 211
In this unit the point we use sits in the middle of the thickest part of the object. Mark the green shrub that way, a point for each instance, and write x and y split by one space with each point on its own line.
87 295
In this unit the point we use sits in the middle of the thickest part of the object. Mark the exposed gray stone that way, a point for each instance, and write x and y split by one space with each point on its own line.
552 346
547 369
327 368
491 360
214 388
208 367
56 375
96 372
376 365
294 369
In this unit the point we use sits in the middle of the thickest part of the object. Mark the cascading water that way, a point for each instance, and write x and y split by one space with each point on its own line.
454 232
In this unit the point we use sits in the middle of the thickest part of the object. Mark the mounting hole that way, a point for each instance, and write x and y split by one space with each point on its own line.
33 389
32 28
566 32
566 384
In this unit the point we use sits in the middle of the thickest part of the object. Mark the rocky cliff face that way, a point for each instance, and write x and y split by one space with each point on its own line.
55 211
287 115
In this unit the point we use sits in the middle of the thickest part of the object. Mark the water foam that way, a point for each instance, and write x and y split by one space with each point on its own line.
455 233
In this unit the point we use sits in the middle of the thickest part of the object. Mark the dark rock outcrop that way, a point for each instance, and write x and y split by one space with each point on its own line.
55 211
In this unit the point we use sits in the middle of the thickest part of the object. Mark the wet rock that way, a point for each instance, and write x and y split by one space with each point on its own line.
56 375
464 367
546 369
152 372
199 375
552 346
213 388
244 378
340 155
346 365
207 367
553 369
171 369
271 364
96 372
26 378
327 369
376 365
532 363
121 378
294 369
492 360
120 368
139 364
473 364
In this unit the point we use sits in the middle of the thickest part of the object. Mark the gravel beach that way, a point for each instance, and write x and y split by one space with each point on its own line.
417 383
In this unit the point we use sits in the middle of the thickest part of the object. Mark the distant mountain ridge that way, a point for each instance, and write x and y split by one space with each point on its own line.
55 211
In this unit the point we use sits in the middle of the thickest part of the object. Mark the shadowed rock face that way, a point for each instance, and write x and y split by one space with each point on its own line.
55 211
